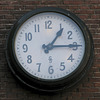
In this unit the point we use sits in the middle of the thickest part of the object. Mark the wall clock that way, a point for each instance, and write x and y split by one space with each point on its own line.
49 49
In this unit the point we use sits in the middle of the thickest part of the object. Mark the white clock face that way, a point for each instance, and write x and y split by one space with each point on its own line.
49 46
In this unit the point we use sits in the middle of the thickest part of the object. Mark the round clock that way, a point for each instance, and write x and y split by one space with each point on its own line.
49 49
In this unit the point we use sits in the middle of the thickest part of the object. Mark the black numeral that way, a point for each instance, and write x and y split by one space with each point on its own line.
51 70
71 58
48 24
75 48
39 65
62 66
36 28
69 34
25 48
60 26
29 59
28 36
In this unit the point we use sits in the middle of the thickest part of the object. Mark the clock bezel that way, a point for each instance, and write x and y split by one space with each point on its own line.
42 84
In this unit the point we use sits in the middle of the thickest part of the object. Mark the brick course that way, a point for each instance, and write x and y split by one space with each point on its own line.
88 11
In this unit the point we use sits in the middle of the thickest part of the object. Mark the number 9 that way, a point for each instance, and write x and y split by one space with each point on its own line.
25 48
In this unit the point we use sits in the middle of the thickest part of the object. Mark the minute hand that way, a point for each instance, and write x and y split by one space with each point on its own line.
70 46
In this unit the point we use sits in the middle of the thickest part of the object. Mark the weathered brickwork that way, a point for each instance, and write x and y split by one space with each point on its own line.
88 11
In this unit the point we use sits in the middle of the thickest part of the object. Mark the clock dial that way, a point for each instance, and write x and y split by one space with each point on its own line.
49 46
49 49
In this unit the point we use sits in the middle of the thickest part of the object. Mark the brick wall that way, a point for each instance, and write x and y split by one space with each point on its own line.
88 11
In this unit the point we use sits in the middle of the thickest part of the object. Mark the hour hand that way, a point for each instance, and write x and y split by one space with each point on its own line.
59 33
50 45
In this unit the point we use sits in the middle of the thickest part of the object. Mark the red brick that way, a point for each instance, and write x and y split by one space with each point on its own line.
98 98
30 2
49 2
97 84
94 1
95 16
84 16
88 90
95 7
73 2
8 7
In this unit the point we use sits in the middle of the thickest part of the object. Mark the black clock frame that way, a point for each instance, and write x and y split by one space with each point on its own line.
49 85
